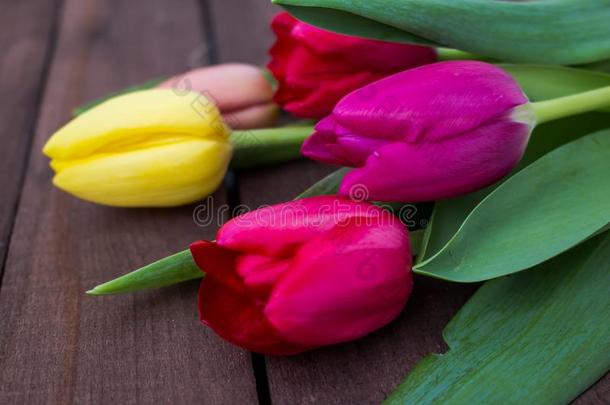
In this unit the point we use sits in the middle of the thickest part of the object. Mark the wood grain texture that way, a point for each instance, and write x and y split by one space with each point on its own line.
26 40
58 345
598 394
241 29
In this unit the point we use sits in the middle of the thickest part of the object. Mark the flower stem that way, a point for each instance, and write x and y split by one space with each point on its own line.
456 54
571 105
267 146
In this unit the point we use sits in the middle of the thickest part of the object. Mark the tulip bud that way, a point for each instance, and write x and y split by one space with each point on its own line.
151 148
241 92
428 133
316 68
303 274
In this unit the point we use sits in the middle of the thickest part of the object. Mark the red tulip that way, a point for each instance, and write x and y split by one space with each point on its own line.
316 68
292 277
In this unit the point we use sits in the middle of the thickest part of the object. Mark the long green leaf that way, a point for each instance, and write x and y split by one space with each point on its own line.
550 206
551 31
170 270
538 337
180 267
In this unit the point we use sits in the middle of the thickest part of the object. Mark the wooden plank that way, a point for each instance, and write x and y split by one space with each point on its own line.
58 345
598 394
26 44
241 29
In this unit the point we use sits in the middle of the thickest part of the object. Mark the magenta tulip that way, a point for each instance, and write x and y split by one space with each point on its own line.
428 133
303 274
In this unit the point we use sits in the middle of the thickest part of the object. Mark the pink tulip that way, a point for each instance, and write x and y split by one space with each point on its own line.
241 92
303 274
432 132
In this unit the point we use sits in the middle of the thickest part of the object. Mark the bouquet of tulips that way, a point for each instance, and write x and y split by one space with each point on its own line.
419 103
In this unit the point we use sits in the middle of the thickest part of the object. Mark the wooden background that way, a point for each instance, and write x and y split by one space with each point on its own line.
58 345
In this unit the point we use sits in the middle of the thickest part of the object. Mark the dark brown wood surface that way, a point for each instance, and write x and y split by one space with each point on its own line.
58 345
26 41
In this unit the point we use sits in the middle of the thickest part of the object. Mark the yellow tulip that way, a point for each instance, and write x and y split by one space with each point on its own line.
152 148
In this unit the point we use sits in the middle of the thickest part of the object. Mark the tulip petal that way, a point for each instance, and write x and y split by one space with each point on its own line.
317 92
257 116
360 53
319 145
331 143
166 175
431 102
279 230
280 51
259 273
235 317
429 171
349 282
136 118
216 261
227 307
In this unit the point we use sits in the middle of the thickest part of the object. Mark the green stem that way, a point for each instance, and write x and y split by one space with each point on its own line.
270 78
456 54
571 105
268 146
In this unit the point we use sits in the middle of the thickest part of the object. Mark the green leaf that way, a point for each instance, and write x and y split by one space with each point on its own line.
540 83
352 24
450 214
538 337
170 270
563 32
550 206
144 86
